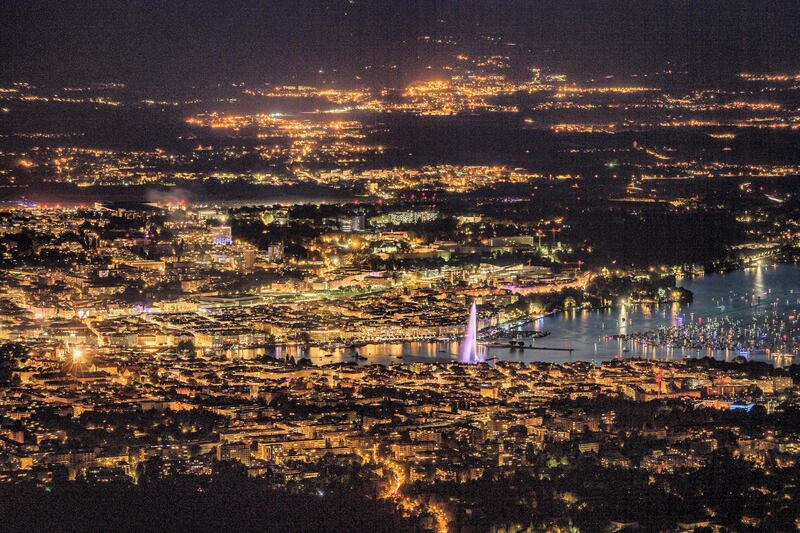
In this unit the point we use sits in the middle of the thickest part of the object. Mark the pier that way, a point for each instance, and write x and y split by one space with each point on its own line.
515 347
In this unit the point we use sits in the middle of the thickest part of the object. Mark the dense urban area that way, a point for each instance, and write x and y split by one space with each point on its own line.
332 302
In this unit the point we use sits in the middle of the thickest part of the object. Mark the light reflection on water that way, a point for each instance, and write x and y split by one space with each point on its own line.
736 295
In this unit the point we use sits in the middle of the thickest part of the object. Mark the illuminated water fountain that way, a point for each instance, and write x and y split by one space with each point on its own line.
469 346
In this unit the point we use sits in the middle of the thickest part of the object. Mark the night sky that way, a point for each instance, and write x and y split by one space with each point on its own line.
206 41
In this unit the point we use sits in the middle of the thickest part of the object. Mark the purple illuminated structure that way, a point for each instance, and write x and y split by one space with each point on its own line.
221 235
469 346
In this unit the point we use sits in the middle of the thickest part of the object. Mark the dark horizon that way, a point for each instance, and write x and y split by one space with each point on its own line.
332 41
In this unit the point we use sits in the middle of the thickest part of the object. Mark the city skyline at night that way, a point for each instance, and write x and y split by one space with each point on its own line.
448 266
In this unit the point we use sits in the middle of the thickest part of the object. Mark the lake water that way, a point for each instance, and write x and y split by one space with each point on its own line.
737 295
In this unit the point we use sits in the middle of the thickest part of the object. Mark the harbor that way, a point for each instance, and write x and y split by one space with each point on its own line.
752 313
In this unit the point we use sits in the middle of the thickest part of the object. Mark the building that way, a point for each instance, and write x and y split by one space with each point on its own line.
234 451
221 235
275 253
356 223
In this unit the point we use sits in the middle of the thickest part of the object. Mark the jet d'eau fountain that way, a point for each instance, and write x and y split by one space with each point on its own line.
469 346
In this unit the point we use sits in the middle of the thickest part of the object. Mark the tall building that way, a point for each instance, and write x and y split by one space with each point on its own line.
248 259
